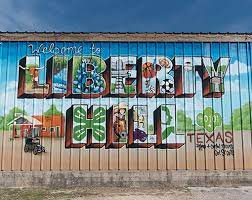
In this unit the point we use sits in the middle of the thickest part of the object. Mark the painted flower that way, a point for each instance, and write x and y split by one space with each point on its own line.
148 70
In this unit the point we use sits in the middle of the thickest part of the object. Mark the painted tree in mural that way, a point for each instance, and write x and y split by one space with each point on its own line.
1 122
4 120
52 111
209 119
242 118
184 123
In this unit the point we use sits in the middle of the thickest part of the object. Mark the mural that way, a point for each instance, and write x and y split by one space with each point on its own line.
104 105
123 75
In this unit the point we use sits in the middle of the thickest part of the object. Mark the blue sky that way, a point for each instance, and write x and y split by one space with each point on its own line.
126 16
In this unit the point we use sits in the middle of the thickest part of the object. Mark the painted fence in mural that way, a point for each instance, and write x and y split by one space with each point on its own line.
125 105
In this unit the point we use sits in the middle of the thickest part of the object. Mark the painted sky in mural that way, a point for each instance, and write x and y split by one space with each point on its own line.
235 77
124 57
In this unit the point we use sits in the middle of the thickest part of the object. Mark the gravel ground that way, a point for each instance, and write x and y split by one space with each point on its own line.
195 193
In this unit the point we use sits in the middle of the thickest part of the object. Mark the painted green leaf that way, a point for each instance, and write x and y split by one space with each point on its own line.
209 119
222 70
79 132
96 124
167 114
80 115
167 132
113 87
99 132
200 119
99 115
169 129
129 89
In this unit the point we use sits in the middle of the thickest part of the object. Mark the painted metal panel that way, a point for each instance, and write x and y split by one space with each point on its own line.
125 105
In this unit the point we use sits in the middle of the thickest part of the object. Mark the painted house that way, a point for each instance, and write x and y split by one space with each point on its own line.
24 125
42 126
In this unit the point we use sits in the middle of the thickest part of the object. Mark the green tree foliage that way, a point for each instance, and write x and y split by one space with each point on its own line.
242 117
12 114
1 122
52 111
184 123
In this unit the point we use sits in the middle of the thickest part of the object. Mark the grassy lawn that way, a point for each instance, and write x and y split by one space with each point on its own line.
120 193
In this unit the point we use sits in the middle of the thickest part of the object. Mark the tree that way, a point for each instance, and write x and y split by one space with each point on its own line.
184 123
1 122
12 114
52 111
242 117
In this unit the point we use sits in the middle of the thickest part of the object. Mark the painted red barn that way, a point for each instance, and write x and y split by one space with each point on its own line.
37 126
52 125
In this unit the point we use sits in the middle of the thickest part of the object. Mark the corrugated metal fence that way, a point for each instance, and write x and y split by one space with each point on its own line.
154 105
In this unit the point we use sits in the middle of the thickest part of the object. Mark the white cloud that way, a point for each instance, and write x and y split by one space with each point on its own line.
237 67
190 105
8 96
236 85
232 85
